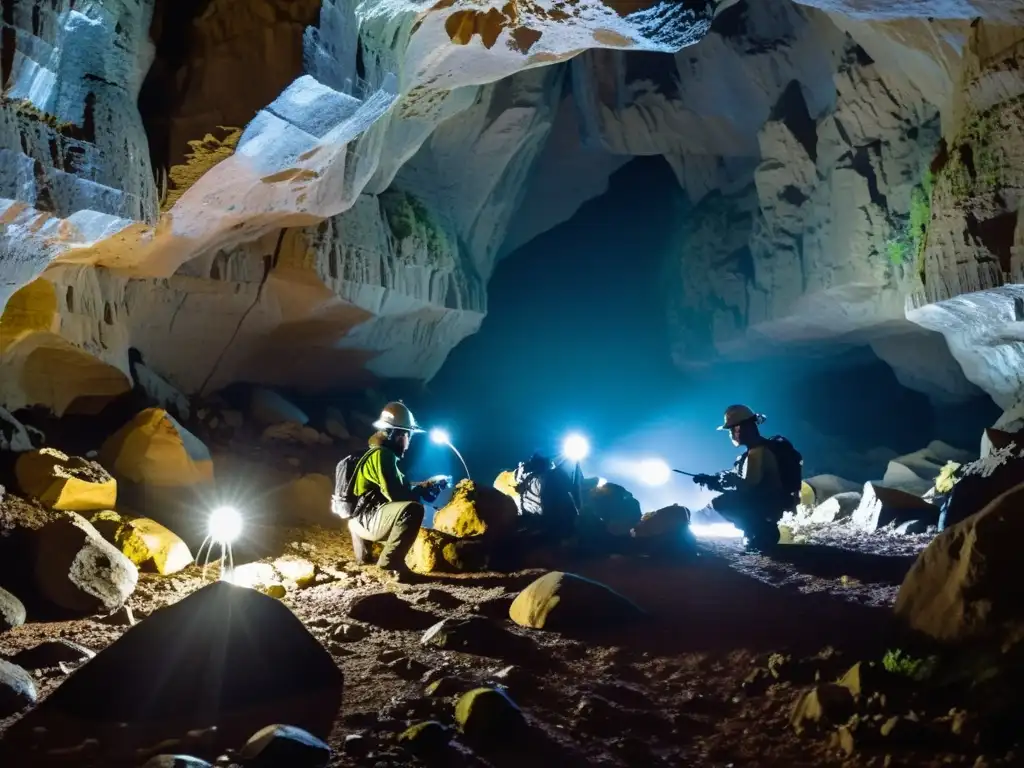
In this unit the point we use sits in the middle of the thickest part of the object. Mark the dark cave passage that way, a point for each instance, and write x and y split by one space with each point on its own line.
576 338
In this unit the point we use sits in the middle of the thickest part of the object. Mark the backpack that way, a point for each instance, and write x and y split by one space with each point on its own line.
545 491
791 466
344 500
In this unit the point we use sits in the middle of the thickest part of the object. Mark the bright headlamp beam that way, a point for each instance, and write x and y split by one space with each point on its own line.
225 525
575 447
653 472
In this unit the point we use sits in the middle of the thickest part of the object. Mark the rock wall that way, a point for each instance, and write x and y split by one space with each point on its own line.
218 184
327 182
971 256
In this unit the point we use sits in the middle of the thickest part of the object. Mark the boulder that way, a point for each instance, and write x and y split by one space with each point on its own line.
477 510
437 552
284 745
152 547
835 508
12 612
17 690
902 478
267 408
561 601
249 660
155 450
667 521
476 635
487 716
388 611
78 571
65 482
827 486
879 506
966 583
305 500
295 570
982 481
506 483
927 462
614 506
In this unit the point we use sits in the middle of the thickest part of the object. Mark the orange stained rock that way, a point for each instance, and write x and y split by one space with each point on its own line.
462 25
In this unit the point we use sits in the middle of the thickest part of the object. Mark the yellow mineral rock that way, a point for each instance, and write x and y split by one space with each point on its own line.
65 482
154 449
476 510
506 483
296 570
807 498
152 546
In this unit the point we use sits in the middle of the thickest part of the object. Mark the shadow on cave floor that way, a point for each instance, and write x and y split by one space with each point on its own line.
706 605
827 562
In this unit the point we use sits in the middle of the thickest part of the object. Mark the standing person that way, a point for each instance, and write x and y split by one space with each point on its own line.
388 508
763 484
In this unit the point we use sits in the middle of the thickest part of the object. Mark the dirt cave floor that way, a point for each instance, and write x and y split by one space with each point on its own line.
670 692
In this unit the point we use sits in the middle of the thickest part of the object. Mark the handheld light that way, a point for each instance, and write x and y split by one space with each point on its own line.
575 447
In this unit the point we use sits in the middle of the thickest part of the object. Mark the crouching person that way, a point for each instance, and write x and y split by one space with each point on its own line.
380 504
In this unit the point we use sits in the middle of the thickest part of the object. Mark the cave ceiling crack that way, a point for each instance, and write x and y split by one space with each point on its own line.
269 265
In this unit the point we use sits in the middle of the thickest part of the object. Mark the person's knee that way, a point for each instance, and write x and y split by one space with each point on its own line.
412 514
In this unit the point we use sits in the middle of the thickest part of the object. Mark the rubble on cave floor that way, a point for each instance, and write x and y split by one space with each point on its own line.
615 651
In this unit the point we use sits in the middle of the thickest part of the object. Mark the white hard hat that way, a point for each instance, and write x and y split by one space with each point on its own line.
397 415
737 414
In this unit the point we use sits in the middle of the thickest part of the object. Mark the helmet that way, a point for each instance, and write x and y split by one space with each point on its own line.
397 415
738 414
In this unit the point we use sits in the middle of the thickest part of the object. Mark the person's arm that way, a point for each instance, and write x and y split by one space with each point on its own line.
383 466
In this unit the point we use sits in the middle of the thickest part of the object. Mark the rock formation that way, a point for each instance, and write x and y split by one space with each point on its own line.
326 208
187 196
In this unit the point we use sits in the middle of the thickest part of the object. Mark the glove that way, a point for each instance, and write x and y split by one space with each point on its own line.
711 482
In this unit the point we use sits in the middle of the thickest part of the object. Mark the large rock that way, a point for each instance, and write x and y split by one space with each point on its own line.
563 601
238 679
152 546
12 612
837 507
966 583
438 552
982 481
402 282
65 482
667 521
78 571
827 486
477 510
268 408
613 505
17 689
153 449
879 506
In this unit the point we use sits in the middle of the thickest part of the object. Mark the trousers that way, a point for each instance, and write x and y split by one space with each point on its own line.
396 524
756 518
